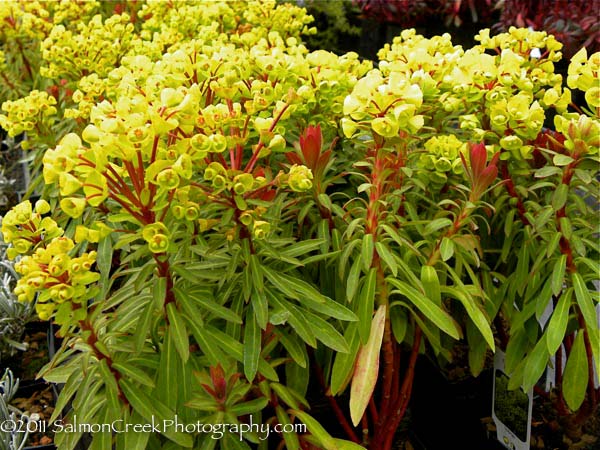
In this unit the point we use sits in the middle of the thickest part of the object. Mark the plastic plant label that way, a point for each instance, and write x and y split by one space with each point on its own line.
511 410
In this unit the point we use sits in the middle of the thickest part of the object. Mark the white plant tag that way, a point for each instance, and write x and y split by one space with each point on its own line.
511 410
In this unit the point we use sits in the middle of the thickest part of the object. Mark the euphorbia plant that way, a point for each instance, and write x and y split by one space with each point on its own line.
200 266
427 236
179 177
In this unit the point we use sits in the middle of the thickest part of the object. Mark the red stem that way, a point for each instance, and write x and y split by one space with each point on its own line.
261 144
402 403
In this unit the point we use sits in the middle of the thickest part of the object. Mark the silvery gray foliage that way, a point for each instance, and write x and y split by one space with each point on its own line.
14 314
10 440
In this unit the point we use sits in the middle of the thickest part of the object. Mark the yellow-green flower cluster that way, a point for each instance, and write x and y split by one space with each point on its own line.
385 104
89 90
69 11
442 158
434 85
299 178
23 227
47 270
94 47
516 119
59 280
34 114
24 19
584 74
241 22
582 133
430 63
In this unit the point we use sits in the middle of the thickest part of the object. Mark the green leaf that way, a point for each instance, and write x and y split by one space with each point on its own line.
151 409
133 373
558 274
133 440
347 445
547 171
284 394
537 361
431 284
317 430
437 224
179 332
323 233
341 373
387 257
557 326
353 277
207 344
251 346
559 198
261 308
256 272
250 407
312 298
159 292
399 322
584 300
294 348
280 283
561 160
296 320
367 368
193 299
142 328
367 251
168 371
575 377
553 244
438 316
477 349
104 264
327 334
345 256
303 247
366 305
474 311
446 248
291 439
69 389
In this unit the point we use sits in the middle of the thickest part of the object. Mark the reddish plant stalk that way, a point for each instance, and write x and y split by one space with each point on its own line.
91 341
385 435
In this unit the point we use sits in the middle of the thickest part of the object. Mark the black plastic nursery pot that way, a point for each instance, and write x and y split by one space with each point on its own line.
42 345
448 413
37 397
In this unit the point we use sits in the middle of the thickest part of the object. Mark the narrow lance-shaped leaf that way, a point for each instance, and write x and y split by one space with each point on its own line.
251 346
536 363
431 284
367 368
317 430
575 377
557 326
584 300
366 305
558 274
179 331
353 277
441 318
